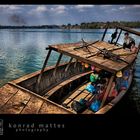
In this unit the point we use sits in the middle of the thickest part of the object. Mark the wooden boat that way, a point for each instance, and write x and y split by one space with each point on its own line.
54 89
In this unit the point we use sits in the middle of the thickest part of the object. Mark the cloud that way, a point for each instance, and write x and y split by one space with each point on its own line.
122 7
83 7
135 6
105 6
38 10
41 9
14 7
58 9
10 8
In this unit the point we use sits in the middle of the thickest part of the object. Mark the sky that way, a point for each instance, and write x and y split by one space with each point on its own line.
64 14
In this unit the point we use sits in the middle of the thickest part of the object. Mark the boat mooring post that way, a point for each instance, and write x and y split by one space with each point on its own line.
58 61
107 90
42 70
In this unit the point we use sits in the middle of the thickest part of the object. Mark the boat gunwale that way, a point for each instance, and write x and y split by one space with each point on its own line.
36 73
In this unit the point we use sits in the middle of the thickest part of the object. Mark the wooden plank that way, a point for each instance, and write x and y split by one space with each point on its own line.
42 70
16 103
104 109
50 92
82 95
65 82
67 101
111 64
6 92
33 106
87 111
89 96
48 108
83 87
129 30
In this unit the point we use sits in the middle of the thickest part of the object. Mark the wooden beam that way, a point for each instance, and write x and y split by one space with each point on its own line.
42 70
85 45
68 65
87 61
129 30
107 90
118 36
58 61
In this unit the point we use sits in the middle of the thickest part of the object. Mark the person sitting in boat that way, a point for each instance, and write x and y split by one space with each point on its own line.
113 92
100 87
133 47
114 35
122 80
94 76
128 41
118 80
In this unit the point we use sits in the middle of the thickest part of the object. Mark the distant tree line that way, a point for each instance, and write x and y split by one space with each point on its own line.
101 25
30 27
83 25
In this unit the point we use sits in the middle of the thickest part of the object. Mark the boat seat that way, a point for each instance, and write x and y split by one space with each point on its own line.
66 82
80 93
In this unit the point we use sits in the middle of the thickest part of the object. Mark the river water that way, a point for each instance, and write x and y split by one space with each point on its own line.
22 51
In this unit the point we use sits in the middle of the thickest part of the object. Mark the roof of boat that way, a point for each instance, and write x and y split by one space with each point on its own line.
83 54
97 60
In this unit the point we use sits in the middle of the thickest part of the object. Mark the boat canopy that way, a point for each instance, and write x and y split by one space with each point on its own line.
91 58
88 52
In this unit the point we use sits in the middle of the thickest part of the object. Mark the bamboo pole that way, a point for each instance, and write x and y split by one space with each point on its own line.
107 90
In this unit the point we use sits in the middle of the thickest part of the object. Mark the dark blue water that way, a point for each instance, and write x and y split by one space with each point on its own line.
22 51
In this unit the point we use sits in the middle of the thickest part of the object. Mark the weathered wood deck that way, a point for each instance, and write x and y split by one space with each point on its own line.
16 100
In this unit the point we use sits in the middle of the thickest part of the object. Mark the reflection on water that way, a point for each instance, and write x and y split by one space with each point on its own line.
22 51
